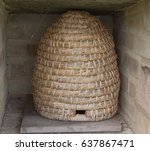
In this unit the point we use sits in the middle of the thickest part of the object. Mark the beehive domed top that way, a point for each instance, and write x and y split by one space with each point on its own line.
76 29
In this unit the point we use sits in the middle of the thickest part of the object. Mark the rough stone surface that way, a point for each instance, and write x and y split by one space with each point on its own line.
34 123
124 82
14 115
3 81
59 6
132 41
130 64
144 86
132 89
23 34
126 102
142 122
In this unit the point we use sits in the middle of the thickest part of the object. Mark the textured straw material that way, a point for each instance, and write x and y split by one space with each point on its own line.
76 76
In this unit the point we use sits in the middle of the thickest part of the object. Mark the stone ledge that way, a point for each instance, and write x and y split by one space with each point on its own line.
33 123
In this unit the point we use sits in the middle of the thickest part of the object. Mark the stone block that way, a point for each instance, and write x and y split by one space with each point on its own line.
3 91
16 70
20 86
16 104
135 24
29 70
148 129
125 40
21 49
124 82
130 64
20 60
2 111
3 99
31 19
3 84
48 19
139 122
15 32
128 108
144 86
9 130
2 8
2 54
24 19
132 89
2 66
133 114
141 46
142 122
148 19
35 32
28 26
12 120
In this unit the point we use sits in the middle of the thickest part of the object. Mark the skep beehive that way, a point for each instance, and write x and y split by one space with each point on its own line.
76 75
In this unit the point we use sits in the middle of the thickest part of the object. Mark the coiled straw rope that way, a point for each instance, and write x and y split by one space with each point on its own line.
76 76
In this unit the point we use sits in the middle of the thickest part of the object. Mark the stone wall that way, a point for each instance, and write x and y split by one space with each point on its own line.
23 34
3 80
132 37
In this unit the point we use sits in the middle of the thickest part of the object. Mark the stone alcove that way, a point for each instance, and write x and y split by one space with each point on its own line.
23 22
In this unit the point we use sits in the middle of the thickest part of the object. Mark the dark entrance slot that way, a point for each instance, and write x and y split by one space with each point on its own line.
80 111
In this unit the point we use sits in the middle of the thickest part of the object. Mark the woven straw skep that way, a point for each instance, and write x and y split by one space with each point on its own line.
76 76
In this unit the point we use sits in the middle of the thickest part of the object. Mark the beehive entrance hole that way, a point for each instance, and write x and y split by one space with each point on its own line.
81 112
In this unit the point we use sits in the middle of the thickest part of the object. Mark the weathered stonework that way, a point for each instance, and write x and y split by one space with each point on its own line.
132 42
60 6
144 86
132 36
3 81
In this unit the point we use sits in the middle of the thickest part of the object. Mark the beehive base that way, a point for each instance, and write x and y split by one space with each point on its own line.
34 123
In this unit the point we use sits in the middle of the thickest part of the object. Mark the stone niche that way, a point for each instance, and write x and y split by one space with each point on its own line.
22 23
